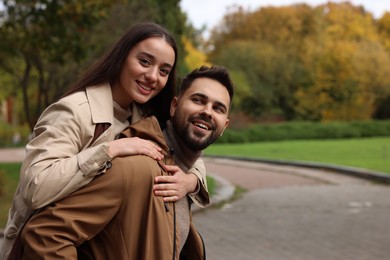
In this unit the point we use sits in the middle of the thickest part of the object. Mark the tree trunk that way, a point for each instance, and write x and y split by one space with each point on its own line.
24 85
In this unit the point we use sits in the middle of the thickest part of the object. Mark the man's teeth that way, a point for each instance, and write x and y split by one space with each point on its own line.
202 126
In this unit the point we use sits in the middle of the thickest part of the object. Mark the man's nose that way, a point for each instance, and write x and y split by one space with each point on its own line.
207 110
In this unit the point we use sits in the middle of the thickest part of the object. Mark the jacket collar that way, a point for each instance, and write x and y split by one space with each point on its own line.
147 128
101 104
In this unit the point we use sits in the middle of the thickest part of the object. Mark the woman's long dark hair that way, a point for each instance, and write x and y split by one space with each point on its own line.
108 68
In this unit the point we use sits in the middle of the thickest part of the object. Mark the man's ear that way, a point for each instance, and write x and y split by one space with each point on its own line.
226 125
173 106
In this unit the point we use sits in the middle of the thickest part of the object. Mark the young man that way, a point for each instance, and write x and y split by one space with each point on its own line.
117 216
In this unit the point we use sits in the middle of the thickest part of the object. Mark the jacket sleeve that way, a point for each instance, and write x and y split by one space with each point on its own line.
200 198
57 228
57 161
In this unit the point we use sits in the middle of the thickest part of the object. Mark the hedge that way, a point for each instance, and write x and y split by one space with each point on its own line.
306 130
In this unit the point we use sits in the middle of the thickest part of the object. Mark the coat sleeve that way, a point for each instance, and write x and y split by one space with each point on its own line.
57 161
200 198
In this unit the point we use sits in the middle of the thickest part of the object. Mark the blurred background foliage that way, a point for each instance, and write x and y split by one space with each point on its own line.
327 63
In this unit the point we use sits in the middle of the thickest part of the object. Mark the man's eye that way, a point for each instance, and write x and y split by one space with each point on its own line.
219 109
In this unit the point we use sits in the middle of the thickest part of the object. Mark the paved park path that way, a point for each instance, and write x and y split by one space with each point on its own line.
297 214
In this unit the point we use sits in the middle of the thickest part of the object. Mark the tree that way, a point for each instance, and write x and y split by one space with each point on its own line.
313 63
46 44
349 66
267 45
39 35
383 25
194 58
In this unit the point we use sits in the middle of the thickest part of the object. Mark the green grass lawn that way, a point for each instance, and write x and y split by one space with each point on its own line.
9 177
368 153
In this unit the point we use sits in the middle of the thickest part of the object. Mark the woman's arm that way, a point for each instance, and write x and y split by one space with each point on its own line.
58 160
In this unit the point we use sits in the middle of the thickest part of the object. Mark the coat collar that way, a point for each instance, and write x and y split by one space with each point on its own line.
147 128
101 104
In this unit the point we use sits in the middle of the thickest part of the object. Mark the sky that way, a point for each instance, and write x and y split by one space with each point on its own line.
210 12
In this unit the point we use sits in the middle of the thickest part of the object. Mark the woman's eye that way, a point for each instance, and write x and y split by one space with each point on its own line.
165 72
197 100
144 62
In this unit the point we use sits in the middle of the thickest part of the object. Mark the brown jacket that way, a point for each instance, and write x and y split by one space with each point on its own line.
116 214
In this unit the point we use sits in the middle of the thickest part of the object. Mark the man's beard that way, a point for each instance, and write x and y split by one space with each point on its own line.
193 141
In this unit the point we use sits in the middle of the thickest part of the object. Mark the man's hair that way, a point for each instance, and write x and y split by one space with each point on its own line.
218 73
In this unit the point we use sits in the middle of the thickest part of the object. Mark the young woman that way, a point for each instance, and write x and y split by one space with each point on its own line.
75 138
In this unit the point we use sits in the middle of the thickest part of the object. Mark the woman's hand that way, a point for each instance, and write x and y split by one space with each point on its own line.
176 186
134 146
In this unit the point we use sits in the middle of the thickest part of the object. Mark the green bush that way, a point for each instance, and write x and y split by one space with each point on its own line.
2 183
8 132
234 137
306 130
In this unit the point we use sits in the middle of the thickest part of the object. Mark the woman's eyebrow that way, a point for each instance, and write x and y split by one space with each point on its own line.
152 57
